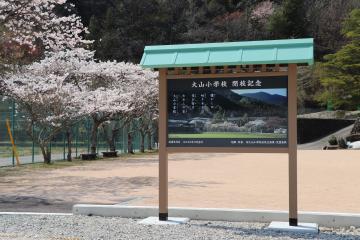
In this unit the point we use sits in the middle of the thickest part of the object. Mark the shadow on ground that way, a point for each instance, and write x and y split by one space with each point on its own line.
25 203
59 194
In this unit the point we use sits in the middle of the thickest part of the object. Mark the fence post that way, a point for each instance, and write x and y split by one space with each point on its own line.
76 139
116 139
87 134
13 128
125 139
153 144
98 144
33 146
121 137
64 143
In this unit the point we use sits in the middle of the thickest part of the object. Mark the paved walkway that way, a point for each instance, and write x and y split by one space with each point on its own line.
328 181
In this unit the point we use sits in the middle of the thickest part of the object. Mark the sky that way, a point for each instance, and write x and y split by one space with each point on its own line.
278 91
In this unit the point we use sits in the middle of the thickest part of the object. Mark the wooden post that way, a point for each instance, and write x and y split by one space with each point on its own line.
292 112
163 156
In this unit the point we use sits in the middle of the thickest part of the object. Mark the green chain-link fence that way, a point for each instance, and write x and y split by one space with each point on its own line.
29 152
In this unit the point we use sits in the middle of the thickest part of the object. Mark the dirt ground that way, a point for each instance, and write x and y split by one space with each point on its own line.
328 181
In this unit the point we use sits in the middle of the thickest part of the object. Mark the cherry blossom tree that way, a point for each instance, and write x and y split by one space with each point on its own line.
260 17
262 11
115 89
29 21
146 110
66 86
47 103
109 90
44 94
66 63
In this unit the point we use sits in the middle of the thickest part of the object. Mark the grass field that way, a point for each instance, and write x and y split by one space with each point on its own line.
227 135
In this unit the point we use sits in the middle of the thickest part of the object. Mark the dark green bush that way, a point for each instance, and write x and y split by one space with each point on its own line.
333 140
342 143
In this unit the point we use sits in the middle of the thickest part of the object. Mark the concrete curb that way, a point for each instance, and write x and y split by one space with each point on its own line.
219 214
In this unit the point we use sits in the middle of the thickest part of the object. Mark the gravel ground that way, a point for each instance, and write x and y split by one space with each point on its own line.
25 227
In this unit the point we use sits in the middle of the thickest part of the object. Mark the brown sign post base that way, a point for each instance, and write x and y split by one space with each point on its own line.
163 216
293 221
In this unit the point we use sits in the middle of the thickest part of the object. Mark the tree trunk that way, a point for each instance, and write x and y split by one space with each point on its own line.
130 146
46 153
111 139
149 145
111 144
93 137
69 144
142 142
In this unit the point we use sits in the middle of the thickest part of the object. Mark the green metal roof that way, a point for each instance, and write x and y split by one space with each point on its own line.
300 51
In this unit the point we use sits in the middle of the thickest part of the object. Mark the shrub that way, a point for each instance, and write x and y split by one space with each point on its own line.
342 143
333 140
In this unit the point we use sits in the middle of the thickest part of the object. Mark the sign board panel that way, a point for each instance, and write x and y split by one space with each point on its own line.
228 112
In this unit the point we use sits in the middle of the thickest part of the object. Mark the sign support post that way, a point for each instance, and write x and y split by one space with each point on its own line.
292 112
163 155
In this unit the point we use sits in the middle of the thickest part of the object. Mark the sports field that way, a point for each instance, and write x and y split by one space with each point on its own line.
227 135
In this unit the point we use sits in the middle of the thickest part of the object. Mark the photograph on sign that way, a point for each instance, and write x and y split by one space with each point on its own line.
228 112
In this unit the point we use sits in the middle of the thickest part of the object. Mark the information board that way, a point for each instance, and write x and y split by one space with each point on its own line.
228 112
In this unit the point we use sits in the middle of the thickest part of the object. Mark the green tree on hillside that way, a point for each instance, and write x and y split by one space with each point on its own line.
107 45
125 29
340 74
289 21
95 31
172 20
309 86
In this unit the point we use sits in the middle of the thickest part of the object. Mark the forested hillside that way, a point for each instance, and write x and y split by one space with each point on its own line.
121 29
